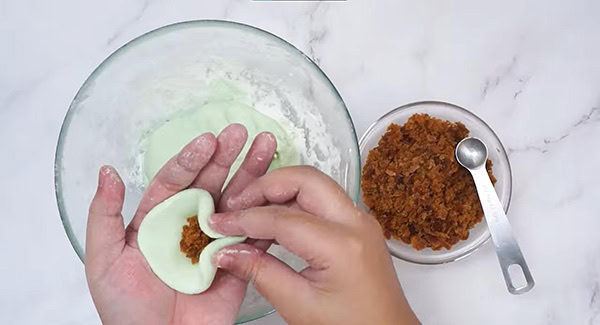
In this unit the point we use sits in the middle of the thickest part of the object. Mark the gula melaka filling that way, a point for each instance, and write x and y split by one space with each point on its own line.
193 240
413 185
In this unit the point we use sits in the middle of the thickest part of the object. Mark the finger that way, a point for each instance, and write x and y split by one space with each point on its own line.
230 143
261 244
272 278
255 164
177 174
311 238
105 236
315 193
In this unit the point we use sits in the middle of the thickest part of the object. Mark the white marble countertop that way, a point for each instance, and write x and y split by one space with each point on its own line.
531 69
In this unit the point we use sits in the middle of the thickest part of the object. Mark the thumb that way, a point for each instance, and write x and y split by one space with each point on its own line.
276 281
105 237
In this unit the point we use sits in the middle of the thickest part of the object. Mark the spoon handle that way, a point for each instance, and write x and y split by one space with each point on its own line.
507 248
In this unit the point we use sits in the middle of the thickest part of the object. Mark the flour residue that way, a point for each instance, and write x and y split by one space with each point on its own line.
306 129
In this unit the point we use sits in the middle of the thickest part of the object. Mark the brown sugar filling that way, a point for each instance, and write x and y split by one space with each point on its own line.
416 189
193 240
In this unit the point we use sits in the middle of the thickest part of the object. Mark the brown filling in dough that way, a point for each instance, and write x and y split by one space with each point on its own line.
416 189
193 240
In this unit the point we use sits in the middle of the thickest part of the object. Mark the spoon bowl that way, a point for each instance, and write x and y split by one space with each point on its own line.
471 153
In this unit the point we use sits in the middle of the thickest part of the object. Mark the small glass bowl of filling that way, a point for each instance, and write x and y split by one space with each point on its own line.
418 250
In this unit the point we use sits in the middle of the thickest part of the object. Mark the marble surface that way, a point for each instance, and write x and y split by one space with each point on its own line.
531 69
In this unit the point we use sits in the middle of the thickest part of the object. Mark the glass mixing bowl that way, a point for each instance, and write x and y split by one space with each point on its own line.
479 235
174 68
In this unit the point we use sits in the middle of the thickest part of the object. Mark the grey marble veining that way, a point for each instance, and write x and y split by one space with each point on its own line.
529 68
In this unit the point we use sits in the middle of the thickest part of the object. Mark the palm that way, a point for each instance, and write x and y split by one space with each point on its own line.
124 288
138 290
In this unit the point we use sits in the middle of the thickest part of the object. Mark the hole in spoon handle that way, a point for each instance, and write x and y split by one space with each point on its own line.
507 248
516 273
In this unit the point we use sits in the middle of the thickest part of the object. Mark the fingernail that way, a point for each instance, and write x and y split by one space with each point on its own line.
202 141
215 218
270 136
188 159
224 223
194 156
104 171
240 201
232 203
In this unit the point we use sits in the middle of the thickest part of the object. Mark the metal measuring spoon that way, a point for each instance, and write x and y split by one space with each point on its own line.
472 154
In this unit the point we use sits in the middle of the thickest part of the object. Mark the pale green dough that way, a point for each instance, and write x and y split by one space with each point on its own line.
213 117
160 233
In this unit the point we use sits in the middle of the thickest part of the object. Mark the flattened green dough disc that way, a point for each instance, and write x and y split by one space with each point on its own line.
160 233
213 117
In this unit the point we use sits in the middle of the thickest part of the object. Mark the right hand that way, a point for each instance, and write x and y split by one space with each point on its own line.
350 278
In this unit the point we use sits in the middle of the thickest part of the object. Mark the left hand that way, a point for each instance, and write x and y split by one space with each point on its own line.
122 285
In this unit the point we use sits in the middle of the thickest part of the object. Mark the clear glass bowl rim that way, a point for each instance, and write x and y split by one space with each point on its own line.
465 111
167 28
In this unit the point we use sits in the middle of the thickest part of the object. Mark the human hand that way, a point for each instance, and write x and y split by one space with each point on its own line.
350 278
122 285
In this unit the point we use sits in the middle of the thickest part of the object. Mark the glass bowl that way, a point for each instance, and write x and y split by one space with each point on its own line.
479 234
174 68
